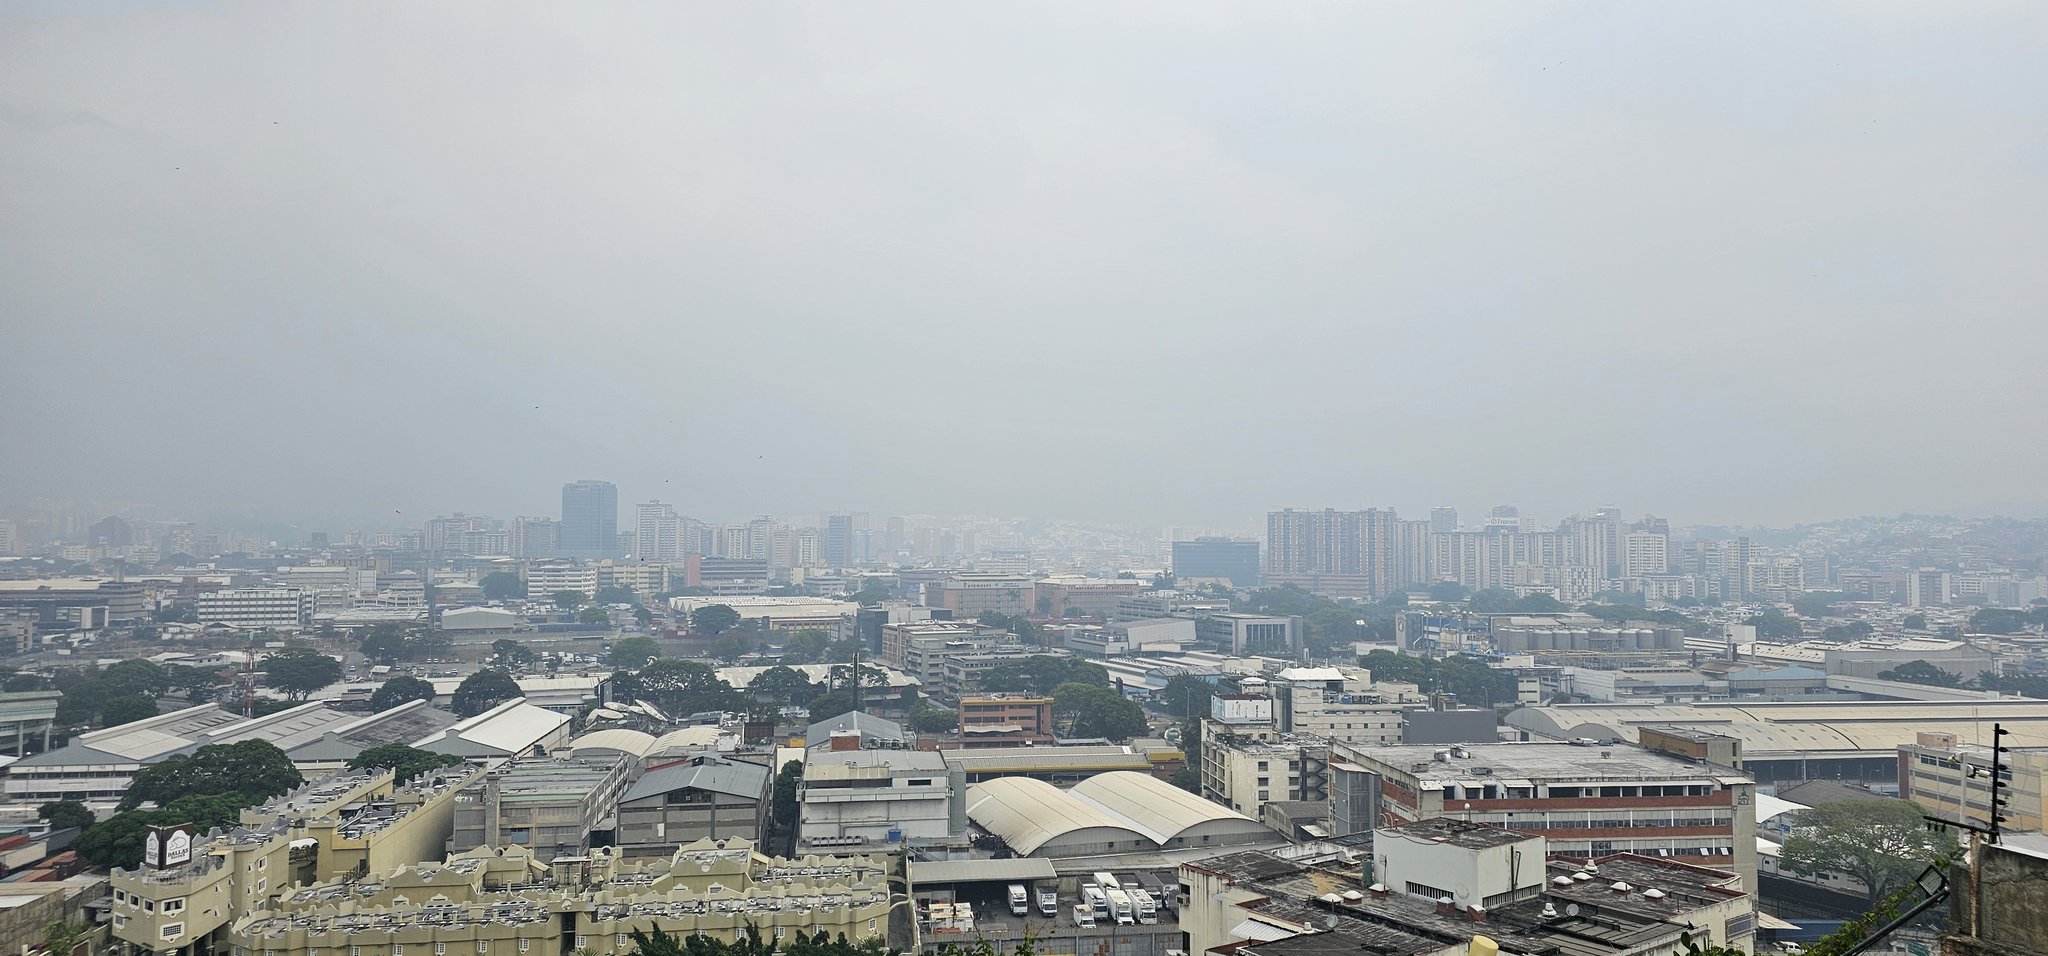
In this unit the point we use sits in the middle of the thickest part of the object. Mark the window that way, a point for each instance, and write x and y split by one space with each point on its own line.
524 943
622 939
779 931
871 926
397 949
173 930
582 941
440 949
355 951
174 907
1262 765
483 947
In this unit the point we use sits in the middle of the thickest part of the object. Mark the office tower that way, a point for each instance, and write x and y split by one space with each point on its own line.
1443 519
1232 560
532 537
590 520
838 547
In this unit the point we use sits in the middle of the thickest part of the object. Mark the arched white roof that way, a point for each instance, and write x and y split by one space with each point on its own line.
1030 813
1156 808
624 741
683 740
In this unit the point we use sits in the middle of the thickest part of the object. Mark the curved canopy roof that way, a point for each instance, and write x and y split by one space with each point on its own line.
685 740
1159 809
1028 813
625 741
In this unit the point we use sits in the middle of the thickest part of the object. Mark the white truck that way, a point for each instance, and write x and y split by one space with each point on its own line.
1048 901
1098 902
1083 916
1120 906
1020 902
1148 910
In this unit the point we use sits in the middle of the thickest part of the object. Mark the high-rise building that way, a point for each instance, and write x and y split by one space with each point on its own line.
532 537
1349 553
1645 552
1233 560
838 545
1443 519
590 520
658 532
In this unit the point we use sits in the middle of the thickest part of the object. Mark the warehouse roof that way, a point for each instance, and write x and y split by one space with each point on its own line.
1769 729
1159 809
729 777
1029 813
624 741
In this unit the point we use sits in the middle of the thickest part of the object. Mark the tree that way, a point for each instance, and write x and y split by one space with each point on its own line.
197 683
568 600
783 683
1042 673
782 805
121 710
1186 695
806 647
830 704
1817 603
687 687
935 720
299 670
1395 666
482 691
1915 622
502 586
1844 633
404 762
64 814
594 616
399 690
634 652
1089 711
129 678
729 648
871 593
252 769
1998 620
1448 591
1491 601
1882 843
390 643
117 840
509 654
1538 604
616 594
1775 625
1921 672
714 619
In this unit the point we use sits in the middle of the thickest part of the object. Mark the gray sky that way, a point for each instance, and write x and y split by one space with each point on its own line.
1175 262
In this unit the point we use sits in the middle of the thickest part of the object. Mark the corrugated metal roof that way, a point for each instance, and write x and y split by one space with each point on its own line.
1013 870
718 776
1159 809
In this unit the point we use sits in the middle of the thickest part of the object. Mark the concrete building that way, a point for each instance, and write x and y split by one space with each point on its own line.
1427 894
1340 553
332 828
60 599
1341 703
1081 597
1645 554
1246 773
705 797
867 795
250 609
1211 559
1005 720
550 807
25 720
545 579
1239 634
1951 779
590 520
1929 587
1588 801
968 595
1121 638
834 617
1065 766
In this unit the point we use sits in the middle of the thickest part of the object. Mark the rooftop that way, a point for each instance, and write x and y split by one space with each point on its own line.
1537 761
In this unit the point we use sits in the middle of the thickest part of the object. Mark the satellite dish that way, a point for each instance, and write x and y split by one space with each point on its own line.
1571 909
1330 922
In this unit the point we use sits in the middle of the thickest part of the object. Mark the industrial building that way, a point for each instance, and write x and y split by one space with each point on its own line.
705 797
551 807
1109 813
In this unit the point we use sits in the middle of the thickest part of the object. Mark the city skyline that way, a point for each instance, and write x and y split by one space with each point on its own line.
1514 254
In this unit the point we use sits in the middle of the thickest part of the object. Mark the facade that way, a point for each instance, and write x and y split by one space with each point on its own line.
1588 801
550 807
1122 638
1952 780
1245 774
250 609
1341 703
705 797
1081 597
866 795
1227 559
1004 720
331 828
658 532
60 599
1345 553
590 520
969 594
1237 634
545 579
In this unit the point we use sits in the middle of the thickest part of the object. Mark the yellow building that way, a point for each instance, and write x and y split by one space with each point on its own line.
339 824
503 903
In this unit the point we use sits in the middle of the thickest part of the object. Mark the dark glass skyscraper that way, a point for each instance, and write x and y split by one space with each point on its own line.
590 520
1236 561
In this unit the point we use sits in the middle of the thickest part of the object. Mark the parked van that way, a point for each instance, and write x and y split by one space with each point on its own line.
1020 903
1049 902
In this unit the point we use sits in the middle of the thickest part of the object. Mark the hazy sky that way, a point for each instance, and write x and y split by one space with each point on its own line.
1174 263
